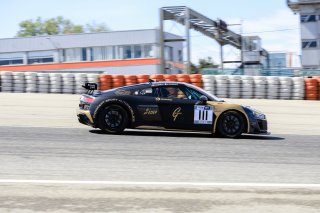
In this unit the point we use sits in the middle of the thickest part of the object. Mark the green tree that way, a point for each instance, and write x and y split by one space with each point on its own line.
96 27
206 63
55 26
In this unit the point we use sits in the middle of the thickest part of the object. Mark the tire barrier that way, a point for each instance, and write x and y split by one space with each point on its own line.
273 87
260 87
157 77
68 83
6 81
183 78
196 79
130 80
18 82
285 90
43 82
55 83
223 86
142 79
105 81
117 81
318 79
80 79
312 89
234 86
298 89
169 77
209 83
31 85
247 84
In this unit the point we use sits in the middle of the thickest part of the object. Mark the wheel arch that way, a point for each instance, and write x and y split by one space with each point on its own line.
243 114
109 102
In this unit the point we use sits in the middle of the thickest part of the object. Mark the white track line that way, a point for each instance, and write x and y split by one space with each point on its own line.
136 183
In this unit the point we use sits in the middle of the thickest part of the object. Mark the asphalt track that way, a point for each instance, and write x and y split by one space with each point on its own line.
151 171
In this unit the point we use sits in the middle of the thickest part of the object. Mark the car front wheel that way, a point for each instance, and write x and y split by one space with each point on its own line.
231 124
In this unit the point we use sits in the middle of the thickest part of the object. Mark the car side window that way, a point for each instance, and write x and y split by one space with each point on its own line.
172 92
192 94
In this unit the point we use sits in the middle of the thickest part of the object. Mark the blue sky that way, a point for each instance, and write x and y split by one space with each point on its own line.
272 20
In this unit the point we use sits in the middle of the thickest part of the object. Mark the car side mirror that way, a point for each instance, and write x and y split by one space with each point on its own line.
203 100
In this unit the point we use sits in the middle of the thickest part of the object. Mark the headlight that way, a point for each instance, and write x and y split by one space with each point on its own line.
258 115
254 113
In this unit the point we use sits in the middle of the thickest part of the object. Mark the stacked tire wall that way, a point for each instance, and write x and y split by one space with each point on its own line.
223 86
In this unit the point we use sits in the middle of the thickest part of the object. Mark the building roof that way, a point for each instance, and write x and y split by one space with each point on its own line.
38 43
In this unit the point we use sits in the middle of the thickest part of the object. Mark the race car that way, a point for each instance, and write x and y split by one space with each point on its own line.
168 106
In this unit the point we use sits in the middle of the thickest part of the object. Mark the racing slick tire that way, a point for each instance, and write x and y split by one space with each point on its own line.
113 119
231 125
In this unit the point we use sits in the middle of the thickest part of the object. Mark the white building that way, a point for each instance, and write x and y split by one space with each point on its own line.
309 11
115 52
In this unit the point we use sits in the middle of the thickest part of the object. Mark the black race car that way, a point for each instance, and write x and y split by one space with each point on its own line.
169 106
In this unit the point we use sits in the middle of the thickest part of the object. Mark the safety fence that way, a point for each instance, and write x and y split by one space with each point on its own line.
224 86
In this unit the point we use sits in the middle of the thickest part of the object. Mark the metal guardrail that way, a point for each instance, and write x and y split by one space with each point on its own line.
261 72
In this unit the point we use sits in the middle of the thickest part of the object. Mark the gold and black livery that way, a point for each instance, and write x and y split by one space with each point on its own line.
169 106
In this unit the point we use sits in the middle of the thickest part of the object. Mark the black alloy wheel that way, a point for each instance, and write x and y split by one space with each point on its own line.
231 124
113 119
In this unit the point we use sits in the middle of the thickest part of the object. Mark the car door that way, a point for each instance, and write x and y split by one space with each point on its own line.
179 110
147 108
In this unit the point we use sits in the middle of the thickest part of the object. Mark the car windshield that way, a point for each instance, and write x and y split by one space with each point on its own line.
203 92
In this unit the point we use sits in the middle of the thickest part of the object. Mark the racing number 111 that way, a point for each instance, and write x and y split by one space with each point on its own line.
203 114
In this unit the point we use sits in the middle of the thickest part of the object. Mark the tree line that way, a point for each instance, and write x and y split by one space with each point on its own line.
56 26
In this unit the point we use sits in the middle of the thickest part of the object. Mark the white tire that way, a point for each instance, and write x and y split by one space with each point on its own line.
221 77
208 80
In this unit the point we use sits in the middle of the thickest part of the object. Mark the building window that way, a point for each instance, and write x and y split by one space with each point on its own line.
74 54
180 56
84 54
103 53
309 44
39 57
168 53
148 51
127 52
308 18
137 51
11 58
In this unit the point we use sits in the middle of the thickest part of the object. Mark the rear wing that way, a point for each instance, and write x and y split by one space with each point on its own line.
90 87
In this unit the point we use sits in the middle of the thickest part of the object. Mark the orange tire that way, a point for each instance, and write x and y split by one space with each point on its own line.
142 80
105 84
197 84
311 96
105 76
117 80
157 77
182 76
130 77
142 76
119 77
168 77
311 80
185 79
104 87
115 85
195 80
312 88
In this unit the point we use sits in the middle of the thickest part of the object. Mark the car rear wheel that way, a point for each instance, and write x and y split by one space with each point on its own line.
231 124
113 119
